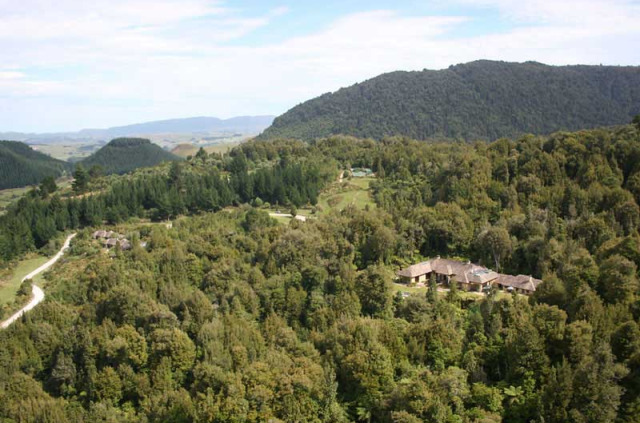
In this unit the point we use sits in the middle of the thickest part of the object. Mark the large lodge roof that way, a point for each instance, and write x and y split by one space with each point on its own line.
467 272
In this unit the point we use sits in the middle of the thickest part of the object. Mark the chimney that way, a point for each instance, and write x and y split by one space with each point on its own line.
437 257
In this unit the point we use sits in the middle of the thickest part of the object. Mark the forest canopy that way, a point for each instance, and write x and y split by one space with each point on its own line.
20 165
122 155
230 316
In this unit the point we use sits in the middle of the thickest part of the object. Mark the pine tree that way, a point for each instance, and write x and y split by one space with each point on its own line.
81 180
432 291
201 155
48 186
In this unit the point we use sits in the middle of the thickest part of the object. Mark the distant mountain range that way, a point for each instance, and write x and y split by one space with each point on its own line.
20 165
197 125
477 100
123 155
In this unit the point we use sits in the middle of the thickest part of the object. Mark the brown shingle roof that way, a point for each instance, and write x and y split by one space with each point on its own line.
464 272
475 274
416 270
523 282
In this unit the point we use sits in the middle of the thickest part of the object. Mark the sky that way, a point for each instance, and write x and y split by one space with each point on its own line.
73 64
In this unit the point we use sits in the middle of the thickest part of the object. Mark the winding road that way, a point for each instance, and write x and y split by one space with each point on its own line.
38 293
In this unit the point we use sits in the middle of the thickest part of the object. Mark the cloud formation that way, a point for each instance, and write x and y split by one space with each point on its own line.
74 64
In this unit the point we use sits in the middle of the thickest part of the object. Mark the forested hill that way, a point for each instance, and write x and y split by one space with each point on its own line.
477 100
20 165
123 155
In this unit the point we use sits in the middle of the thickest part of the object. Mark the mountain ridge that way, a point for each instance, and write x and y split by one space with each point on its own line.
198 124
477 100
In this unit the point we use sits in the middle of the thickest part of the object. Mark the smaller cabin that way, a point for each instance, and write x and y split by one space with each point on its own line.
99 234
522 284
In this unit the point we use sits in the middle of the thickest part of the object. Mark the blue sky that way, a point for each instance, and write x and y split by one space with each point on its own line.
74 64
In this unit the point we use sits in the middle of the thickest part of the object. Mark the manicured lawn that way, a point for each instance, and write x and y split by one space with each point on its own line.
9 286
397 287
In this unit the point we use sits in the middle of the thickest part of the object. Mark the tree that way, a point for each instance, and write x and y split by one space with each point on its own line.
108 385
636 122
495 242
81 180
48 186
374 290
618 280
96 171
175 174
201 155
175 345
453 296
596 393
432 291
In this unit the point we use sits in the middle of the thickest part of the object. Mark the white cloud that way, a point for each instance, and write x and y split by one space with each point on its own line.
101 63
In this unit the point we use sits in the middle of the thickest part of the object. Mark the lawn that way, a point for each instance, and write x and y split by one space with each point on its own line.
336 196
339 195
9 286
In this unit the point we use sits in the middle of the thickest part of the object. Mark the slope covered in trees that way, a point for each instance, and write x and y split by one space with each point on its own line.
123 155
231 317
20 165
478 100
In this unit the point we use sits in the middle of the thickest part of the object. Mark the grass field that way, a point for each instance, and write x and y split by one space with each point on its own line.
8 196
353 192
68 151
336 196
9 286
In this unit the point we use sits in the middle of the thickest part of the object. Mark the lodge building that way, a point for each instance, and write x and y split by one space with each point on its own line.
466 275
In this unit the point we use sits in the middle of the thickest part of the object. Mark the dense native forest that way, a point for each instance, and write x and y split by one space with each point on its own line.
478 100
230 316
123 155
20 165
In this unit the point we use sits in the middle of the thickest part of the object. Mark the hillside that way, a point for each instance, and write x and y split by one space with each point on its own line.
20 165
123 155
477 100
